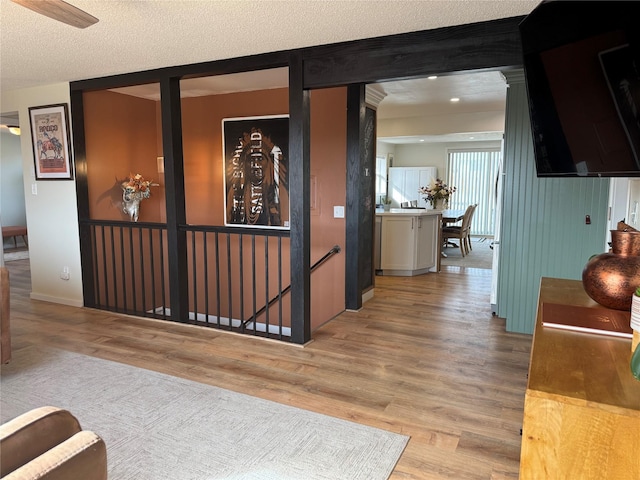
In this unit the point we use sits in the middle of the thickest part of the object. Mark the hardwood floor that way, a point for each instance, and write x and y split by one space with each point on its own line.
424 358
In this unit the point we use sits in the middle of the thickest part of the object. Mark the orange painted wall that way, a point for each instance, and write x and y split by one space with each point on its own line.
123 134
203 157
121 138
329 180
202 146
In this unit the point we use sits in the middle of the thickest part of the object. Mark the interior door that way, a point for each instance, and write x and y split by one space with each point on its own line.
496 234
633 208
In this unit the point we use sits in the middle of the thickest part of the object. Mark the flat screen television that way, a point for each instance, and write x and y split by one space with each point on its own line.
582 72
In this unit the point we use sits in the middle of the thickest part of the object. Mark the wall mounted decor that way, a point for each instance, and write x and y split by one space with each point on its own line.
134 190
50 138
256 179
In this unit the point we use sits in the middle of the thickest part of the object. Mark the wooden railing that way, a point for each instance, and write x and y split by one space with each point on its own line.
237 278
129 270
233 273
277 298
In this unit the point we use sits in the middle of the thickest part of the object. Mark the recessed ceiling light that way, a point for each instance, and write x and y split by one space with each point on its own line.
422 139
432 77
455 99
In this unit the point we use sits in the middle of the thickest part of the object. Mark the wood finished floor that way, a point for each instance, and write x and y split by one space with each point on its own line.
424 358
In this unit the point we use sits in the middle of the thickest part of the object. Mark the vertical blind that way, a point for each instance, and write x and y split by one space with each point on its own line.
475 175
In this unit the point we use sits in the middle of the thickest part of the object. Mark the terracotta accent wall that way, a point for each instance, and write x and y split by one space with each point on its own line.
328 186
202 142
202 146
204 199
121 138
124 134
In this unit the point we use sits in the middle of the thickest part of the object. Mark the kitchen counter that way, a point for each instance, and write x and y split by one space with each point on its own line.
408 212
409 240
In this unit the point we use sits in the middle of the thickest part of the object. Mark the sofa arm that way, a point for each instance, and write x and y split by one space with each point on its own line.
32 434
83 456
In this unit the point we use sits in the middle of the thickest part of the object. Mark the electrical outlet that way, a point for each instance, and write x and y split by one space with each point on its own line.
64 274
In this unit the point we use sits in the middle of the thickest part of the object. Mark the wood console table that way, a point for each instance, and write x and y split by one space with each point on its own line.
582 404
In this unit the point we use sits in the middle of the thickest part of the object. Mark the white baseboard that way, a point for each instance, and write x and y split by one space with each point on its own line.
201 317
62 301
368 295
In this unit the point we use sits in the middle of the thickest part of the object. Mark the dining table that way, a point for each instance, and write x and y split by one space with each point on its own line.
452 216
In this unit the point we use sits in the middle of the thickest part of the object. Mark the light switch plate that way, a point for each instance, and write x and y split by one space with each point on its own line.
338 212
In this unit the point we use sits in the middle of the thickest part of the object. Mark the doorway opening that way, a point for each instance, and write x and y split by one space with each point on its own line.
15 243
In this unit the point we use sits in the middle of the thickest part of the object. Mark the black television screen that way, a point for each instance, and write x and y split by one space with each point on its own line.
582 72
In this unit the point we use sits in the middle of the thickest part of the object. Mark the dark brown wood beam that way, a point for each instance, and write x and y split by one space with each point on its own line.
299 204
477 46
174 194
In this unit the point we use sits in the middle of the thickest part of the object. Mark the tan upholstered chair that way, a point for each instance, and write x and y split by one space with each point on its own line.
47 443
462 232
468 235
5 330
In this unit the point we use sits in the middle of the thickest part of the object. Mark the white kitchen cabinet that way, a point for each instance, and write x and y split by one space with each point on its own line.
427 247
404 183
409 242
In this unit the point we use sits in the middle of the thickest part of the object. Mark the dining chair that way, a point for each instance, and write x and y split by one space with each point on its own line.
461 232
468 235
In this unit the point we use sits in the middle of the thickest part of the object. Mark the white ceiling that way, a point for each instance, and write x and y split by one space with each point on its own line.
136 35
476 92
484 91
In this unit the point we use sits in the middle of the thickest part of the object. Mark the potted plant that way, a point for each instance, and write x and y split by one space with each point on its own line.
386 202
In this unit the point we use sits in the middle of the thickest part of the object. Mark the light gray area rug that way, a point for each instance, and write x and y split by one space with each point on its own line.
481 255
158 427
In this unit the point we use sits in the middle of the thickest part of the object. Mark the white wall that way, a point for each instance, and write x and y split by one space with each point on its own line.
52 219
383 149
432 154
12 207
440 124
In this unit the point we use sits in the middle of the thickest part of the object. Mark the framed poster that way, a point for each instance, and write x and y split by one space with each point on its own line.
256 179
50 138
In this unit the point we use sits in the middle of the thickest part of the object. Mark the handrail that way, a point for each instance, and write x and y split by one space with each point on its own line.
325 257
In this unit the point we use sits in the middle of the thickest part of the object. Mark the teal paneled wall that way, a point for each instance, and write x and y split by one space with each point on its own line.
543 230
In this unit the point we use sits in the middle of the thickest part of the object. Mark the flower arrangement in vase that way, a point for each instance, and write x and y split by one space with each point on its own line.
437 193
134 190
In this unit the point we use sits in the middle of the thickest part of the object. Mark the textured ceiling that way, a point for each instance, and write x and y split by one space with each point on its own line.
134 35
139 35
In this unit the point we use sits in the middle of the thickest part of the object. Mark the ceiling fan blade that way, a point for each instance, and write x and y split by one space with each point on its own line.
61 11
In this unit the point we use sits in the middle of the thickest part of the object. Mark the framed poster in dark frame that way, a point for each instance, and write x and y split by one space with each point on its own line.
51 142
256 179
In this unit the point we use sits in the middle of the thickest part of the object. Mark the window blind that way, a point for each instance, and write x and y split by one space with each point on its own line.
474 173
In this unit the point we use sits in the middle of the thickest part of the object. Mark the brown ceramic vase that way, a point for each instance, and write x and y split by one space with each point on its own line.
611 278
